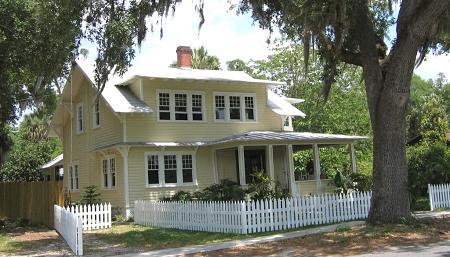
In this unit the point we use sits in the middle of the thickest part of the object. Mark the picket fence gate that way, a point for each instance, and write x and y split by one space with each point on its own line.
439 196
70 227
93 216
243 217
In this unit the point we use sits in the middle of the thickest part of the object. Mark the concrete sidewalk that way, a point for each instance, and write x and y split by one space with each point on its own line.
238 243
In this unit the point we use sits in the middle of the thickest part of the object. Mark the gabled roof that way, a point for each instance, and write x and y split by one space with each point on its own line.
57 161
119 98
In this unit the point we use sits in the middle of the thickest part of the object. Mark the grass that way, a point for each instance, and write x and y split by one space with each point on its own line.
150 238
9 245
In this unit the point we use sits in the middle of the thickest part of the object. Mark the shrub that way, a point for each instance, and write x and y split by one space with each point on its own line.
226 190
90 195
261 188
180 196
346 181
427 164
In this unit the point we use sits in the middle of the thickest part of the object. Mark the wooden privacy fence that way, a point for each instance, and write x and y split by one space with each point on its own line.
95 216
31 200
70 227
439 196
254 216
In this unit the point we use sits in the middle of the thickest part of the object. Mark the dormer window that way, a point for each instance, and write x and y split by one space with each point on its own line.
180 106
235 107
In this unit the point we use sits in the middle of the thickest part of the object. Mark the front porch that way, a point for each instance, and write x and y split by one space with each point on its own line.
237 160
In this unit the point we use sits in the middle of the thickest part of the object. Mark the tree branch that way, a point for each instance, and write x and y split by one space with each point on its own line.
350 58
424 18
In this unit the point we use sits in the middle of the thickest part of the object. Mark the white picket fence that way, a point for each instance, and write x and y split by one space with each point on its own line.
69 226
242 217
439 196
95 216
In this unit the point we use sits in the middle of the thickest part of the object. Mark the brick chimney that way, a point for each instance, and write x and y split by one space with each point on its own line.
184 57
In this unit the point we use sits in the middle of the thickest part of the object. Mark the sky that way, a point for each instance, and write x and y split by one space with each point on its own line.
227 36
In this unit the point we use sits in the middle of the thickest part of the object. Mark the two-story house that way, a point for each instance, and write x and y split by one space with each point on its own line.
155 132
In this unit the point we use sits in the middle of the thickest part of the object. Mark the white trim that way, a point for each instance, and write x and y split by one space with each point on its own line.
317 171
242 106
189 112
241 165
77 125
290 160
108 159
141 90
94 118
289 127
271 167
178 157
353 157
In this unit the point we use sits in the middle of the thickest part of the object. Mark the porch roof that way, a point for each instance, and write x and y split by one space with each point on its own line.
253 137
294 137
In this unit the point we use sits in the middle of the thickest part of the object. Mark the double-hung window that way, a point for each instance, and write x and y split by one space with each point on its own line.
73 177
180 105
181 110
109 172
164 106
220 107
170 169
80 121
96 114
197 107
234 107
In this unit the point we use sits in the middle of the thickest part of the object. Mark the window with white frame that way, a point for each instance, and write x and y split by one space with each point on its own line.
152 170
220 107
73 177
234 107
197 107
109 172
96 114
170 169
180 106
80 121
164 106
181 110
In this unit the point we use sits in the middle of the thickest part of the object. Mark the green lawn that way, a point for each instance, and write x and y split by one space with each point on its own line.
9 245
149 238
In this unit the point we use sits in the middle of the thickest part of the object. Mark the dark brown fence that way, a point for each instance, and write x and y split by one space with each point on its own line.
31 200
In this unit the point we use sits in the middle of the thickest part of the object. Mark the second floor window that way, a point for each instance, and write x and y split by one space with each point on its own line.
80 121
180 106
234 107
96 114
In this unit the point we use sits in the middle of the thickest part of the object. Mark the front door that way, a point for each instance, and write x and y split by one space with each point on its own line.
255 161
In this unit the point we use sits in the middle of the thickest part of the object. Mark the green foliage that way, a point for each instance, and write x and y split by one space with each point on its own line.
427 118
346 181
428 164
90 195
262 188
31 149
343 181
180 196
226 190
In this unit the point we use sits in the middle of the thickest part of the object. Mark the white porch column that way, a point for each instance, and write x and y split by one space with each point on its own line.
317 171
352 157
214 166
241 162
270 168
124 151
293 185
